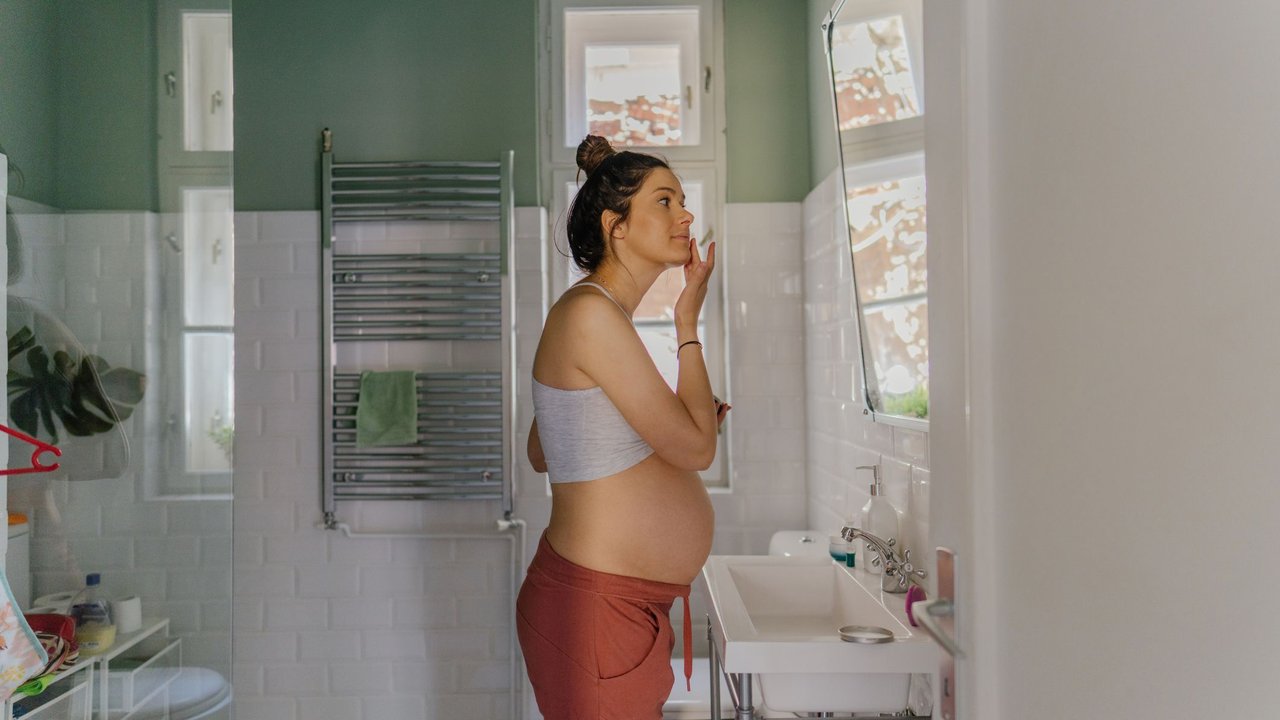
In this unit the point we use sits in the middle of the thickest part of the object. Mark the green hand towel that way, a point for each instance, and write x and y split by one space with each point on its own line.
387 413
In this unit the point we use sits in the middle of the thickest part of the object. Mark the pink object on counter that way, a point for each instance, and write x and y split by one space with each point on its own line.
914 594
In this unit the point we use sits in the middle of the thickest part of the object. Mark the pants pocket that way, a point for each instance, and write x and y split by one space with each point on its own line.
634 652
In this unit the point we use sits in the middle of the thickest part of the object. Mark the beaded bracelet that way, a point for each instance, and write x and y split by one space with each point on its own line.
687 342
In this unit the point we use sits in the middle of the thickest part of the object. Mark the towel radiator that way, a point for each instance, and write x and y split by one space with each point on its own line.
464 416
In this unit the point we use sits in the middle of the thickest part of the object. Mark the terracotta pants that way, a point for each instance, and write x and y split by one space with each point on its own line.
597 645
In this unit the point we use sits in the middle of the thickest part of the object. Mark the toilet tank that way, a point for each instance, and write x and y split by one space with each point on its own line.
17 559
804 543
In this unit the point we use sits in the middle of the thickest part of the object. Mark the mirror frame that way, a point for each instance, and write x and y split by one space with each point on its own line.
913 423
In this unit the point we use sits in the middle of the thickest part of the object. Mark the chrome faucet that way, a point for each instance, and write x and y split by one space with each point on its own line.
898 573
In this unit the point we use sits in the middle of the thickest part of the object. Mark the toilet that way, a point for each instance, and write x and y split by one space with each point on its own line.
194 692
696 705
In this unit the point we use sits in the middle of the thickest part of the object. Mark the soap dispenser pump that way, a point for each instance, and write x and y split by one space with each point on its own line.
878 518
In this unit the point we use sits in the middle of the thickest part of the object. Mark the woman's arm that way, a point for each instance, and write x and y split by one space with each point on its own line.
680 426
536 458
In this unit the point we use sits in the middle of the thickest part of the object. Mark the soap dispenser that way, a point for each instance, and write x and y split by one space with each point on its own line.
878 518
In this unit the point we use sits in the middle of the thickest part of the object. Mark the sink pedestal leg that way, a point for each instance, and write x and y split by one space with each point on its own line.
739 684
714 659
743 709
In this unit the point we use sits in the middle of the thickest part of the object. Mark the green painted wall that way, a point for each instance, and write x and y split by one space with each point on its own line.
106 105
77 101
766 100
824 152
28 118
395 79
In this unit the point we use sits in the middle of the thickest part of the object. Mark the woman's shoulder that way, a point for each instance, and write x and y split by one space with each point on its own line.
584 305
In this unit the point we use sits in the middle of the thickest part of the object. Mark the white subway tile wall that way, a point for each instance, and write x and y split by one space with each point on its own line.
329 626
840 436
96 273
356 627
425 624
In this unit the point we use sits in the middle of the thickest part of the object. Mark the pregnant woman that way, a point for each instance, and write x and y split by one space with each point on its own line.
631 522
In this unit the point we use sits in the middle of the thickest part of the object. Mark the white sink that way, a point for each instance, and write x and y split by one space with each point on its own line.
777 618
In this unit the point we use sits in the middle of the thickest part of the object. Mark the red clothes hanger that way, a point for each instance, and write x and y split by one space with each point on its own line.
41 448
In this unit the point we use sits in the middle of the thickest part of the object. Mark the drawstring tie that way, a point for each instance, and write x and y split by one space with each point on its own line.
688 645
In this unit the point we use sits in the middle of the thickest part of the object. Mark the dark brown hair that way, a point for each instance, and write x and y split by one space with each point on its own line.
613 178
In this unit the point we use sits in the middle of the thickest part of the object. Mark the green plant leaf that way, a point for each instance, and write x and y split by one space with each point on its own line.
124 386
86 397
22 410
21 341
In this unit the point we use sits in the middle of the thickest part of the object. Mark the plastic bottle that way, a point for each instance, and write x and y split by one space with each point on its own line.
95 628
878 518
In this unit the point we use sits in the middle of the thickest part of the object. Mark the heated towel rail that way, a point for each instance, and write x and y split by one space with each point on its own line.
465 416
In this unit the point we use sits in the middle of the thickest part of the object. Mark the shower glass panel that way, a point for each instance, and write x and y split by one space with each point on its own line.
116 120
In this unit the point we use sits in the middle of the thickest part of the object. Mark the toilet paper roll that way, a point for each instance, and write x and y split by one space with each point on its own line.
59 600
127 613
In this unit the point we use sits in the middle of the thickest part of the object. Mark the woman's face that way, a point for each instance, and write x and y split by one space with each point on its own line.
657 228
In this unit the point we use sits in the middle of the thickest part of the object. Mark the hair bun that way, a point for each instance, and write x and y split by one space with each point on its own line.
592 151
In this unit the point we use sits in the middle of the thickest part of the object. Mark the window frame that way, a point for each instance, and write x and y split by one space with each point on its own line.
704 163
707 88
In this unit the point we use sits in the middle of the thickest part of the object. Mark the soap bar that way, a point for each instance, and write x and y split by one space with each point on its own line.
914 595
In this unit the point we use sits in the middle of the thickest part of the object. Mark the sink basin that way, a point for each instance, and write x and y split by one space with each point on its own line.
778 617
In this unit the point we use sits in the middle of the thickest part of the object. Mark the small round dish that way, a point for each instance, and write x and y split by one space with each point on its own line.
865 634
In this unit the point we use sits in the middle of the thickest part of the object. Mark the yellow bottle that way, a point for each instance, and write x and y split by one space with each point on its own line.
95 629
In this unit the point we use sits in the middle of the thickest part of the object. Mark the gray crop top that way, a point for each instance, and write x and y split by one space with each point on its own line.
583 435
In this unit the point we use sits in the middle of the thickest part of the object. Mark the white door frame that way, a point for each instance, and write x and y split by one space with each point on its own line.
960 406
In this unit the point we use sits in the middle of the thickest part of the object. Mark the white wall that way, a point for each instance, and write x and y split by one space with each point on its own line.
1113 279
92 271
840 436
334 627
328 626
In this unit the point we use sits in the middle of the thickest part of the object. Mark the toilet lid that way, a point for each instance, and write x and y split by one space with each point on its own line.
193 693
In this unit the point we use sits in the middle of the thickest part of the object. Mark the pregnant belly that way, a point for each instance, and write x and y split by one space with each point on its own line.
652 521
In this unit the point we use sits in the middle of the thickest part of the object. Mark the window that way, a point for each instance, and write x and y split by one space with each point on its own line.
876 69
206 81
654 318
641 75
630 76
194 268
886 211
199 404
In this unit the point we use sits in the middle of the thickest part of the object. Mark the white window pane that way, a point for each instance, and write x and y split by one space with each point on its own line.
633 94
208 418
887 234
632 76
206 81
874 82
898 337
207 263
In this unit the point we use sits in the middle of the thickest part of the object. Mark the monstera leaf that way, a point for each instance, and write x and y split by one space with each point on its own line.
86 397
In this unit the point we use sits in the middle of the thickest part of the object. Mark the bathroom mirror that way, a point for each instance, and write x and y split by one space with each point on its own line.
876 71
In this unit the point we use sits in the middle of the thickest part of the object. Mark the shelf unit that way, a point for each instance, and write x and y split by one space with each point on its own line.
132 675
68 697
136 670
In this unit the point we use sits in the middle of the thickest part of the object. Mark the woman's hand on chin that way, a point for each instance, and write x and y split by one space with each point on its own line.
697 272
